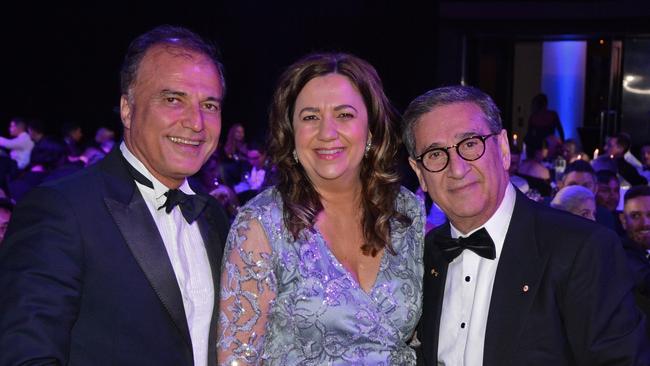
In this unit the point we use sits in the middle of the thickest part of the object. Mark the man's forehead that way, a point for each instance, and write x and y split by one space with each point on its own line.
637 204
458 120
580 176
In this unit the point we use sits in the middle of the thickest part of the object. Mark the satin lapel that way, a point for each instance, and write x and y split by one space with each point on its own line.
132 217
435 274
516 283
208 225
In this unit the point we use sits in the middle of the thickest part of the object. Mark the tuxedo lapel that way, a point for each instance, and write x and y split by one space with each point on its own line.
209 223
516 283
435 274
132 217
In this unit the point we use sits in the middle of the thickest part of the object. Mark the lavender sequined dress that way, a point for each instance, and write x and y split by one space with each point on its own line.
317 313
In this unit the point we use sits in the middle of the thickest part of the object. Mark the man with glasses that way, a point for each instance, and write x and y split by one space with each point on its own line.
537 286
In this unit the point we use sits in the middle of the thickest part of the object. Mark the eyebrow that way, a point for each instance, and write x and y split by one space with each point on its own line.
459 137
169 92
309 109
337 108
344 106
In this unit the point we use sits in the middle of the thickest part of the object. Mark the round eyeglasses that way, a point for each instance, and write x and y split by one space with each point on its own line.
436 159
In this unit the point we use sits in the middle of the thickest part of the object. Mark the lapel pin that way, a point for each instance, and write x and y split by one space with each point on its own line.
525 288
434 272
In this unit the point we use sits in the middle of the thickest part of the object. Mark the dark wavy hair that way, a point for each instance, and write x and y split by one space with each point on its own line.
378 168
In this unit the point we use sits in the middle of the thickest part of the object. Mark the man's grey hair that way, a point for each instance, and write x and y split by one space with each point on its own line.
445 96
571 197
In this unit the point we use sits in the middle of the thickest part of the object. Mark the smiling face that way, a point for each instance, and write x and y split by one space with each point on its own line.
330 121
469 192
636 220
172 117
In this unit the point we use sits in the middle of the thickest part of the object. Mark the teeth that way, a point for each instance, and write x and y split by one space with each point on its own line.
179 140
329 151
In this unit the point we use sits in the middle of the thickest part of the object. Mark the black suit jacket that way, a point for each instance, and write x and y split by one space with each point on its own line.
578 308
85 278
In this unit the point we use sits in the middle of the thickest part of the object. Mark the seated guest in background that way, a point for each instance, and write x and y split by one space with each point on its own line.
232 160
537 287
259 174
36 131
570 151
325 268
45 159
645 160
6 208
517 180
636 221
119 264
105 139
533 170
72 135
577 200
581 173
616 148
20 145
608 195
235 147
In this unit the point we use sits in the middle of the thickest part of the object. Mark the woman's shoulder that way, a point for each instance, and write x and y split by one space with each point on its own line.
408 203
266 205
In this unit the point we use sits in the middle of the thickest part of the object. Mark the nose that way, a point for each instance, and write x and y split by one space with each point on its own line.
458 167
327 130
194 119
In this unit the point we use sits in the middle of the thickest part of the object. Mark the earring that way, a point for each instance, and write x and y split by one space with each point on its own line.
295 156
368 145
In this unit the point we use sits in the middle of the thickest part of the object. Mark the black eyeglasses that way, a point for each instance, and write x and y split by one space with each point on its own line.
436 159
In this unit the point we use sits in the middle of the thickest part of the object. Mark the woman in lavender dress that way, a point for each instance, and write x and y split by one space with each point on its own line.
326 267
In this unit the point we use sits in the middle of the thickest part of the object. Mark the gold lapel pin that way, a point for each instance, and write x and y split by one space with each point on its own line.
434 272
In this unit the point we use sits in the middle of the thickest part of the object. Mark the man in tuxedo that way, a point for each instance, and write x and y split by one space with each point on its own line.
119 264
635 219
537 286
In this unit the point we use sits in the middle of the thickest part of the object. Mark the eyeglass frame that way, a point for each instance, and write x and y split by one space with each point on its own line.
482 138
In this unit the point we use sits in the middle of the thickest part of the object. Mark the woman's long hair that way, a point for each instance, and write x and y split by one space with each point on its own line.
378 168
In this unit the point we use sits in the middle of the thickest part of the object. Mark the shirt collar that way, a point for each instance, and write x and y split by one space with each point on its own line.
497 225
159 189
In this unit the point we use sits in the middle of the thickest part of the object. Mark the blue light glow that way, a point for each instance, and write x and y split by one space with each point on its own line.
563 81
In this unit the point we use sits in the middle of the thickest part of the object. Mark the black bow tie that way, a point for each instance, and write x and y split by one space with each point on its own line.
191 205
479 242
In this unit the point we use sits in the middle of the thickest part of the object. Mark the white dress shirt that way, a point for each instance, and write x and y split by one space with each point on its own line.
186 251
468 290
20 148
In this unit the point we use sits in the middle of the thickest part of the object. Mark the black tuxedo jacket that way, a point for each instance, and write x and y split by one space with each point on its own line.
577 309
85 278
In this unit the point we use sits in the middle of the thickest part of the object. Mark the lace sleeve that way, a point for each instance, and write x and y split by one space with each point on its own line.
248 288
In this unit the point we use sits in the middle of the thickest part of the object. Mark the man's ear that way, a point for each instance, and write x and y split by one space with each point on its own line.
504 146
416 168
126 111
